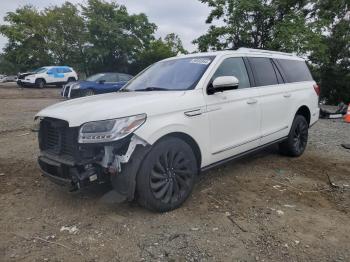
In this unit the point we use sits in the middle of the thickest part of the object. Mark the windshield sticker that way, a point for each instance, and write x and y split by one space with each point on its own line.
202 61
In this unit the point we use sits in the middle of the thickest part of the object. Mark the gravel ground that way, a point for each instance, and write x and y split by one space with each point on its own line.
262 208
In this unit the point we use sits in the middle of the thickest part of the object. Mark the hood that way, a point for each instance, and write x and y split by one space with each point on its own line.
25 74
116 105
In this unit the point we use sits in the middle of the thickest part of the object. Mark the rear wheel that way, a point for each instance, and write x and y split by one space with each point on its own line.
167 175
40 83
297 139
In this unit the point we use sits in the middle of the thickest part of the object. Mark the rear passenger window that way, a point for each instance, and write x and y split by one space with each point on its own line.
263 70
278 74
295 71
234 67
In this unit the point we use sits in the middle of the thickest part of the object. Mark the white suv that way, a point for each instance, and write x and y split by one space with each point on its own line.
48 75
178 117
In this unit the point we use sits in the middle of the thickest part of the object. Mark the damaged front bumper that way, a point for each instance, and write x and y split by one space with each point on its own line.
116 162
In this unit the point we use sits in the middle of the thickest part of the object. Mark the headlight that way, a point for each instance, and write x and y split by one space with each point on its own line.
36 125
110 130
75 86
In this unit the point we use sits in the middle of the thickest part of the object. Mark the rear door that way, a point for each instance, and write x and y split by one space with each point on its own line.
274 99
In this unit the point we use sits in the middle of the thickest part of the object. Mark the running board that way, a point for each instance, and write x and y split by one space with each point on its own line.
241 155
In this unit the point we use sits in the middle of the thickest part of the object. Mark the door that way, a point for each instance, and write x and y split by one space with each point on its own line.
274 100
234 116
55 75
109 83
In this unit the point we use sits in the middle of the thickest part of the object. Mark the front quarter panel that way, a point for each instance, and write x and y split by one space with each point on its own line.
175 121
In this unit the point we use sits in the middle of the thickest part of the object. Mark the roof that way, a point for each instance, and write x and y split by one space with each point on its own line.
248 52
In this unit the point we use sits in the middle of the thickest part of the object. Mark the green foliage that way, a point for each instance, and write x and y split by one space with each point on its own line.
317 29
157 50
98 36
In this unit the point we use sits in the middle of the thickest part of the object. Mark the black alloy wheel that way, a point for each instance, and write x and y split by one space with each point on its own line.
40 83
167 175
89 92
296 142
171 176
300 136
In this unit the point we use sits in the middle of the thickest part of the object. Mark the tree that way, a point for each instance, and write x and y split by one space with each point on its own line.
66 36
157 50
332 63
26 32
115 37
275 24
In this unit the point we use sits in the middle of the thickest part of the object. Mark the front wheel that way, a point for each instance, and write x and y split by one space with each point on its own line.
297 139
89 92
167 175
40 83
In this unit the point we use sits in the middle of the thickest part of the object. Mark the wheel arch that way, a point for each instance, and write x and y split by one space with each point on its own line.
40 78
190 141
305 112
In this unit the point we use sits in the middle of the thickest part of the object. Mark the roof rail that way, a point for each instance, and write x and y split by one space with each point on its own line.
263 51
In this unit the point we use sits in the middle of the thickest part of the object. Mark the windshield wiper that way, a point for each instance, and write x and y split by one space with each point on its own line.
153 88
124 90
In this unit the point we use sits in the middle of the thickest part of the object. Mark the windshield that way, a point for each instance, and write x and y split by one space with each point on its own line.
40 70
177 74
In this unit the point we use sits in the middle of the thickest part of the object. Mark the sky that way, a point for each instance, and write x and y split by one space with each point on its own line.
183 17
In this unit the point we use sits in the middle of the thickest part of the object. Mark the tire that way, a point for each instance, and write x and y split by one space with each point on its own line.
167 175
89 92
40 83
296 142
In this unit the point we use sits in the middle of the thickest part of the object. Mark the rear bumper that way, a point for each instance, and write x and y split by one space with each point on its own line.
315 115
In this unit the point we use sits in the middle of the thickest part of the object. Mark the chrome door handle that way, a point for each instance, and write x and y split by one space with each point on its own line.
252 101
287 95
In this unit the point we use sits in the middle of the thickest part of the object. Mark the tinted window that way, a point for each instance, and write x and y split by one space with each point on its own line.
110 78
66 70
295 71
124 77
263 71
52 70
278 74
234 67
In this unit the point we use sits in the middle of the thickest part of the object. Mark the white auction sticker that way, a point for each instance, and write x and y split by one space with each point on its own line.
202 61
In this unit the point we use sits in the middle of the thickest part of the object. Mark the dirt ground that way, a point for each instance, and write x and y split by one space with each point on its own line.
262 208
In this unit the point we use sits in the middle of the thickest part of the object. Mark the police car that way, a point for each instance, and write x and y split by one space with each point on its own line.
48 75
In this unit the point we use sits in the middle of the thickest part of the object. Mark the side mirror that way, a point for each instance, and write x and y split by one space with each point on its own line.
223 83
49 72
101 81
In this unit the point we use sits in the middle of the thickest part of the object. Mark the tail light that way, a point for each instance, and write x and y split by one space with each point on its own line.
317 89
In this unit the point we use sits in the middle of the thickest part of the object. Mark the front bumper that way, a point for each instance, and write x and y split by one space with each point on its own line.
68 92
22 82
74 177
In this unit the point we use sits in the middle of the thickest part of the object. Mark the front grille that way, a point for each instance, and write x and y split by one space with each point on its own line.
57 138
66 91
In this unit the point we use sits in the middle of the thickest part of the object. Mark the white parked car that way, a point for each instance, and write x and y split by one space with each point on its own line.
48 75
178 117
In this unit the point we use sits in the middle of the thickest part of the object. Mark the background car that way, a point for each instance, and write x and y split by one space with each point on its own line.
8 79
48 75
96 84
11 78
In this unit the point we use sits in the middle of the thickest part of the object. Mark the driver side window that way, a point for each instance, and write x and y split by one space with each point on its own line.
234 67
